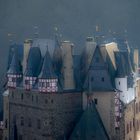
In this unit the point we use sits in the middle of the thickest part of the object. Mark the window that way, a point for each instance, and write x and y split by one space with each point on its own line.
137 125
29 122
12 94
52 101
22 121
103 79
127 129
6 123
46 101
96 101
119 83
32 98
92 79
130 125
38 124
26 82
22 96
139 106
136 107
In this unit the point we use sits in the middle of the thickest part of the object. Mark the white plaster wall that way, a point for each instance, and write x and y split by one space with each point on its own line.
126 94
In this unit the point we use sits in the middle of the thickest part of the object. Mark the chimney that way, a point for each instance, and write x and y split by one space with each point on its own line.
90 47
68 71
27 46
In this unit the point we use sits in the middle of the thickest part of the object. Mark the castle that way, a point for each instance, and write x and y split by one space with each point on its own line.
54 94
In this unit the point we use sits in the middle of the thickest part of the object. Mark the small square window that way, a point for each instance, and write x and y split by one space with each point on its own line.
22 96
92 79
103 79
96 101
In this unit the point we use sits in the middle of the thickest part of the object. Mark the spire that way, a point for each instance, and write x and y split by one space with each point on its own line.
47 69
15 67
57 56
33 62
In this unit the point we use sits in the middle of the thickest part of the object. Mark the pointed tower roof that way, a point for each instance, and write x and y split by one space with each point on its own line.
33 62
47 69
90 126
57 60
57 54
15 66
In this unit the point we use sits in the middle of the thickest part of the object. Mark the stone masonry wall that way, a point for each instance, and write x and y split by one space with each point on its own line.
43 116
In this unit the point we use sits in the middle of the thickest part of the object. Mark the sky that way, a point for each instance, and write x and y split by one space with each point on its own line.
75 20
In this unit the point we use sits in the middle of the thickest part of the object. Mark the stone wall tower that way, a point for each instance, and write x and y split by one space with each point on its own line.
67 58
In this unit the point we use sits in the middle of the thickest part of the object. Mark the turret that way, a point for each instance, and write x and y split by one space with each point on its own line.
68 71
26 48
33 68
48 81
14 73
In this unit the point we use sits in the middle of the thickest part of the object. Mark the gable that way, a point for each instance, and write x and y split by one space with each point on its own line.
98 77
97 59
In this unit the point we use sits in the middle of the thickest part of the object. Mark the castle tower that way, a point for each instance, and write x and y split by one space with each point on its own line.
14 73
68 72
26 48
32 68
48 81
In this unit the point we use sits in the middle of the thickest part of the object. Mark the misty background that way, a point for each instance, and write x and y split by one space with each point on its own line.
75 19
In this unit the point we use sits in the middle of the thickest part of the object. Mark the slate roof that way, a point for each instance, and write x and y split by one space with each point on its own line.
33 62
15 65
104 68
13 47
47 68
57 57
90 126
42 44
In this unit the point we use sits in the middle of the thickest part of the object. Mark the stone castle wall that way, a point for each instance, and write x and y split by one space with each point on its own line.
43 116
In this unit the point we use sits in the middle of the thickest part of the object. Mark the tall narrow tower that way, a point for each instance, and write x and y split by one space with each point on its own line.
27 46
67 58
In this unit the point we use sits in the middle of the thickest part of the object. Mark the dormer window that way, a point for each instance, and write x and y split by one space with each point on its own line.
48 85
13 79
29 82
